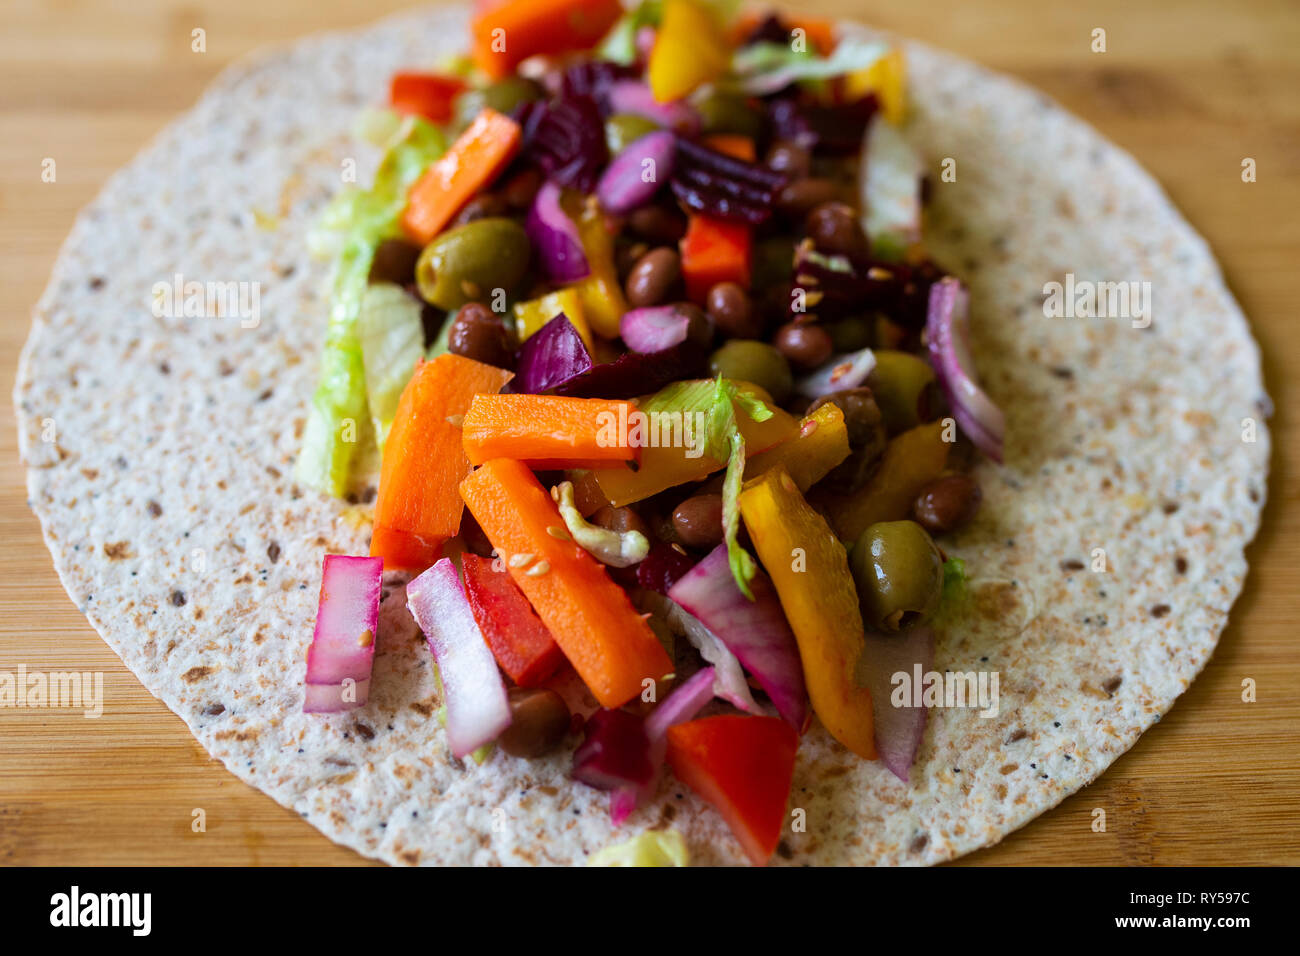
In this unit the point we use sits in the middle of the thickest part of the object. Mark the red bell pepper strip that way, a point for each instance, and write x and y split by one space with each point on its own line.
715 251
424 94
519 640
743 767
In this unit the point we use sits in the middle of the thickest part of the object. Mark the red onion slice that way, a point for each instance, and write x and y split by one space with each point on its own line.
841 371
634 96
343 645
555 236
678 707
473 692
947 329
756 632
635 175
898 729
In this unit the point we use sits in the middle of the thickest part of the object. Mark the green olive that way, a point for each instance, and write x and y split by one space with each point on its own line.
899 575
728 113
468 263
501 95
749 360
905 389
624 128
849 335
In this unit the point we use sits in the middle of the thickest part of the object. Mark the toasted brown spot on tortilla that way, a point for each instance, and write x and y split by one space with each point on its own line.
154 509
1008 768
1072 565
117 550
177 598
1112 685
1160 610
242 736
195 673
215 710
1018 734
1180 564
410 856
273 552
919 843
364 731
90 473
1170 507
425 707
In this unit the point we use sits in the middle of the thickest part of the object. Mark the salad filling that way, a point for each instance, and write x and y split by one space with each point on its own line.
668 397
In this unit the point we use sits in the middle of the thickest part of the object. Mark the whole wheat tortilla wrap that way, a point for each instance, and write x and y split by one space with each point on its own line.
160 455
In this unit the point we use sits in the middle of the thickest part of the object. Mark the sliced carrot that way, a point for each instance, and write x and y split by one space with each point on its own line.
609 644
715 251
734 145
472 162
548 431
419 506
509 32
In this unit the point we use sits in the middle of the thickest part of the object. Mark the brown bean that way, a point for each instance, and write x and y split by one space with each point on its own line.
947 503
862 418
621 520
658 223
654 278
519 190
698 521
733 312
786 156
834 229
805 345
482 206
478 333
394 261
797 199
539 719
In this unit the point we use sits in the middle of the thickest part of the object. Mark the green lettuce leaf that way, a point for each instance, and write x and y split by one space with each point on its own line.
651 848
392 341
763 68
363 218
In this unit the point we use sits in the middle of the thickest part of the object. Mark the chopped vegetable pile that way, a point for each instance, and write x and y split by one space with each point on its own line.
668 400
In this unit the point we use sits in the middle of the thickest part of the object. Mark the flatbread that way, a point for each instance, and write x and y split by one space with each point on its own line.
160 455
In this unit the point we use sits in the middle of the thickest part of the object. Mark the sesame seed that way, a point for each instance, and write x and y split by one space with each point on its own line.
538 569
520 559
555 531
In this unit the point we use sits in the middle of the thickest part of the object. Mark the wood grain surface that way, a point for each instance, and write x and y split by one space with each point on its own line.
1190 88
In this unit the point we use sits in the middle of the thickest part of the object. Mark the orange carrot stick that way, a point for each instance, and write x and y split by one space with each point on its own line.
472 162
560 432
610 646
419 506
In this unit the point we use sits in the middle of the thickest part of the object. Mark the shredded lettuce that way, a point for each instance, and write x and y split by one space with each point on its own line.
605 545
891 190
392 341
718 400
651 848
364 217
619 45
763 68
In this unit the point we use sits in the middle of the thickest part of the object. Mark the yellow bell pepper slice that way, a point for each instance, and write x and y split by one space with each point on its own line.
887 78
690 50
911 461
601 293
532 314
810 570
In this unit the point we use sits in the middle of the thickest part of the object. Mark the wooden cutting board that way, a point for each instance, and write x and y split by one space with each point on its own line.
1190 88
